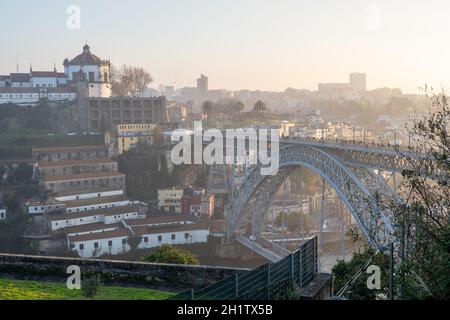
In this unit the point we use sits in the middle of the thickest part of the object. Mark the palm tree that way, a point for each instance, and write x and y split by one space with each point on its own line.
260 107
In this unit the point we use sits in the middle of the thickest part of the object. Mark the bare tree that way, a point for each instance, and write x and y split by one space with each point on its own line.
117 86
141 79
129 80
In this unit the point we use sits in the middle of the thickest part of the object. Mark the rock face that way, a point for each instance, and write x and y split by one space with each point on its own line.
141 273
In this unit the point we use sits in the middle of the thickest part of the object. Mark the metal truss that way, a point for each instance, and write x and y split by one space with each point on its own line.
385 158
358 188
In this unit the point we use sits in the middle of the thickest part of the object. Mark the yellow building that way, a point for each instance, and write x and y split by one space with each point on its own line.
170 199
130 136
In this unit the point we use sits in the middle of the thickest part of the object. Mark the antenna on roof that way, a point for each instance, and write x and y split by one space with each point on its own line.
17 64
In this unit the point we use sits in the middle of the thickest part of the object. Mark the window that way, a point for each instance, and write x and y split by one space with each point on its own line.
81 246
110 243
95 245
159 238
124 241
186 235
145 239
173 237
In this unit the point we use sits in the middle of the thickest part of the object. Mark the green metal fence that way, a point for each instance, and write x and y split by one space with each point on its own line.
271 281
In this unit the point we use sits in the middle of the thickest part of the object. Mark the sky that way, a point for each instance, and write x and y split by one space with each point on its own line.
239 44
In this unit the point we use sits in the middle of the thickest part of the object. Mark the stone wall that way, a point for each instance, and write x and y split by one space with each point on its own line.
177 277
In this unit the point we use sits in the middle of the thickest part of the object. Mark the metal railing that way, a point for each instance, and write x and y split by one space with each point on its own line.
272 281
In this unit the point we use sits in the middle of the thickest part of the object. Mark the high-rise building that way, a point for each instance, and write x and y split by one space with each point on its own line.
202 86
358 81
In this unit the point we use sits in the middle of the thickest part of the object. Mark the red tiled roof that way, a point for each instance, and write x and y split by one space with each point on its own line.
94 201
157 219
20 77
43 74
85 58
91 227
139 230
65 163
102 235
19 90
98 212
84 176
65 89
69 149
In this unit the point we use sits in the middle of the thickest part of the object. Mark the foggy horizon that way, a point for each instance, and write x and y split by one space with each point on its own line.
255 46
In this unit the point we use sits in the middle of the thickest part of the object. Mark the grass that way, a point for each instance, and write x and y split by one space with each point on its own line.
36 290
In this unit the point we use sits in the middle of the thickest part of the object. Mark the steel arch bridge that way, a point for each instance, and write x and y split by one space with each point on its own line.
358 186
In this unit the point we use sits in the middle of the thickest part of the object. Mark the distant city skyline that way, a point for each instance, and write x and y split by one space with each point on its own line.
255 45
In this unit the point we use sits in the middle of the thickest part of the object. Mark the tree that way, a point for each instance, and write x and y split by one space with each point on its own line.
129 80
237 107
260 107
91 286
117 86
208 111
141 79
423 216
171 254
343 272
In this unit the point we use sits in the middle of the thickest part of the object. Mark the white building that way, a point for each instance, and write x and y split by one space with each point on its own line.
84 71
106 216
81 202
97 244
90 69
90 195
113 239
2 213
172 234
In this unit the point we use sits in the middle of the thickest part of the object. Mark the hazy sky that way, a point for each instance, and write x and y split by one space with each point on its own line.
251 44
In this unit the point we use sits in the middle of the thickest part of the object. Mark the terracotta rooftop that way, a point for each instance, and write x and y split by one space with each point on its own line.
94 201
64 89
85 58
155 219
44 74
70 149
92 227
101 235
84 176
65 163
139 230
98 212
20 77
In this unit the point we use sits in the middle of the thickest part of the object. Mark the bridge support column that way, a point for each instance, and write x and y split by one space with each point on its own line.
321 221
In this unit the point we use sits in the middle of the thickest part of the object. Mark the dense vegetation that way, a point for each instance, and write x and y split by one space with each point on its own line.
171 254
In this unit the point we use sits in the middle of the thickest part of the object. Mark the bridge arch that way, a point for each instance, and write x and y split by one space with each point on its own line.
355 192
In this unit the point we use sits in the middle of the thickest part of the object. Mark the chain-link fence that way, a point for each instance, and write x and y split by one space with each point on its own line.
272 281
